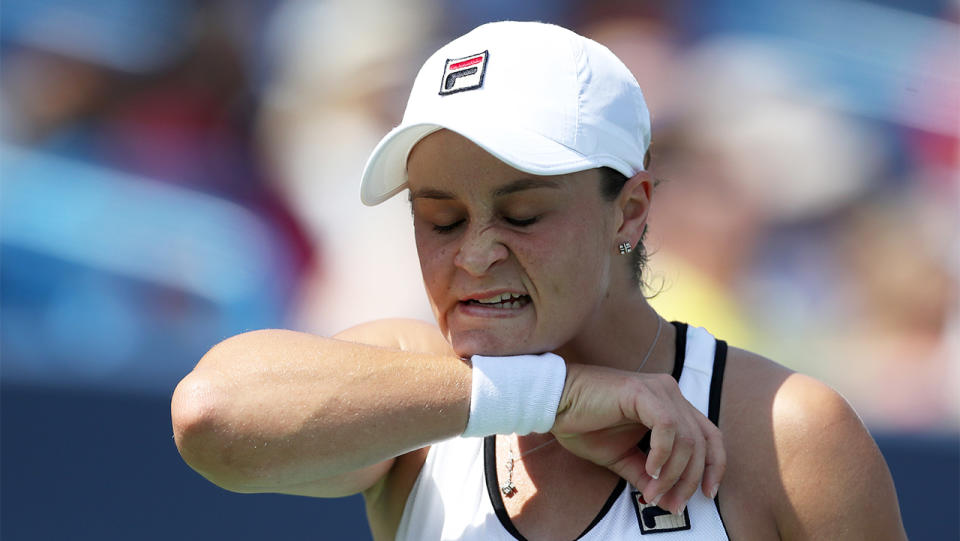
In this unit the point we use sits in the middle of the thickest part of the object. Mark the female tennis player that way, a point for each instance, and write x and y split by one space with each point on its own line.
549 401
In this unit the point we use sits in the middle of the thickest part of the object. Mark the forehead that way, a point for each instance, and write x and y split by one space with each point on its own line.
445 160
444 155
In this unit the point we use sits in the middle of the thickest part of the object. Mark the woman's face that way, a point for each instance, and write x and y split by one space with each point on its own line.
513 263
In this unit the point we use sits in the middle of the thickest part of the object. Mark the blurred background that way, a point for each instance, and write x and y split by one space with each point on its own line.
176 172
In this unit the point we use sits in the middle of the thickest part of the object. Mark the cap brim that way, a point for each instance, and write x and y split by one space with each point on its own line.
385 173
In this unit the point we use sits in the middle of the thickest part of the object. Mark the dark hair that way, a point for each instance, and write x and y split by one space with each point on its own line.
611 184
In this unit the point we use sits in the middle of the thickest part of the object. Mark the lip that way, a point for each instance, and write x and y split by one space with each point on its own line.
491 293
475 310
468 309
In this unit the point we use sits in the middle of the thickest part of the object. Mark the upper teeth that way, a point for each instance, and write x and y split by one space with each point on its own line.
501 298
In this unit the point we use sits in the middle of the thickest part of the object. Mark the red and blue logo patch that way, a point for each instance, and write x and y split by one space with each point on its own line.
465 73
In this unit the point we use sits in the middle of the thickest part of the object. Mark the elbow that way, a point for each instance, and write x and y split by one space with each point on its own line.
193 414
201 430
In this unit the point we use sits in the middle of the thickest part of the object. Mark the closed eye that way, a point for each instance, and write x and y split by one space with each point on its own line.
521 222
446 228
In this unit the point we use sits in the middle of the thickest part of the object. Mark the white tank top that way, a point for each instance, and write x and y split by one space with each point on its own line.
456 495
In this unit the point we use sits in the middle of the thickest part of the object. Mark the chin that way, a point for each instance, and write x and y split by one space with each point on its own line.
469 348
469 343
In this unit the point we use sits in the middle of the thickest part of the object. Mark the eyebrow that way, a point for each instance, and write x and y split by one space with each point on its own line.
518 185
525 184
430 193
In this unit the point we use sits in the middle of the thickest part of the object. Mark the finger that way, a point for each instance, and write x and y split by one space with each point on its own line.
662 440
715 461
683 449
676 498
661 409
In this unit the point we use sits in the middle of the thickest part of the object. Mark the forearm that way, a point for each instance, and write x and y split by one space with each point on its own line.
275 408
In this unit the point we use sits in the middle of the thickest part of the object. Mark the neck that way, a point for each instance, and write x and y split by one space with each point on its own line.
620 335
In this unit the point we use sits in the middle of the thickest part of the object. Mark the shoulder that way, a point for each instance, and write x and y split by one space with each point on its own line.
834 476
820 470
403 334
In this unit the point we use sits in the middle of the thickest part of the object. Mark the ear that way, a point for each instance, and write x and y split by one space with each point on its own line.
633 205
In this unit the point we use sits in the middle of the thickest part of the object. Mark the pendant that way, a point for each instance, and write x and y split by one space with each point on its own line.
508 489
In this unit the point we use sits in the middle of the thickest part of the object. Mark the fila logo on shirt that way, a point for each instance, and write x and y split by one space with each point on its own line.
463 73
653 519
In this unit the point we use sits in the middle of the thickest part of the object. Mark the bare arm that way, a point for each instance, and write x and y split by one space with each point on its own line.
836 481
280 411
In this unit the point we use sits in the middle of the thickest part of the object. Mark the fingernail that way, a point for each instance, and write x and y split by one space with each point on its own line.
656 474
656 500
680 509
713 492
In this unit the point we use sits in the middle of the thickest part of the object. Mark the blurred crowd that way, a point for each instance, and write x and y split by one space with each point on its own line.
177 172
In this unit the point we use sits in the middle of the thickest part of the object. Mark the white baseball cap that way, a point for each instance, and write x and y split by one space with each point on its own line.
539 97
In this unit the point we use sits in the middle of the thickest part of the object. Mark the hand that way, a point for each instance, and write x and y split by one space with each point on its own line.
604 413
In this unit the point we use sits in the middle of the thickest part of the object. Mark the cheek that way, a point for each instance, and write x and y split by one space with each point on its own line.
435 265
576 282
578 265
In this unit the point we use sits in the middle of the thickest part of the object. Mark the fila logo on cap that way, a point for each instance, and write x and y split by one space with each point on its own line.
653 519
463 73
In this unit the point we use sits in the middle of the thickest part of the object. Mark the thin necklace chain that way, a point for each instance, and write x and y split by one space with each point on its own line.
508 488
652 344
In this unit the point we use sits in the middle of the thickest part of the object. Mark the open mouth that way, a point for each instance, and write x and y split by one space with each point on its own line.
505 301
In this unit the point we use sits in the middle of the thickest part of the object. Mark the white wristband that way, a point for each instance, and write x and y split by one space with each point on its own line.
516 394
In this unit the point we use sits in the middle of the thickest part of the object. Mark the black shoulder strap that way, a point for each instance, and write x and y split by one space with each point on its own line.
681 352
716 381
713 408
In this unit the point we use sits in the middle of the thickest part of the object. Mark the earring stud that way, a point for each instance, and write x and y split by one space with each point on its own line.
625 247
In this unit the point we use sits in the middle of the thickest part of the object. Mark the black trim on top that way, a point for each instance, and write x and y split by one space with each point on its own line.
622 484
493 488
713 410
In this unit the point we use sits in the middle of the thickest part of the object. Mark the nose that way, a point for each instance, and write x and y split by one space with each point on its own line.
479 251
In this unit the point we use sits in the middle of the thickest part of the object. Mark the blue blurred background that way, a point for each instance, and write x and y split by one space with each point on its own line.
173 173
